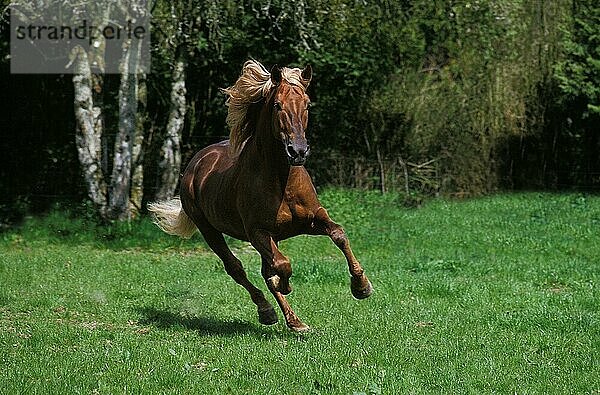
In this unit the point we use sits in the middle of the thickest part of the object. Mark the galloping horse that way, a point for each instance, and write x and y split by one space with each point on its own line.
255 188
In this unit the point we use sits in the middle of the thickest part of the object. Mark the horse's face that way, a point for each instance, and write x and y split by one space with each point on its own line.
291 116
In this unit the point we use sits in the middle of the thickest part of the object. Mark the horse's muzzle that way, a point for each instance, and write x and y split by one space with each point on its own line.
296 161
297 153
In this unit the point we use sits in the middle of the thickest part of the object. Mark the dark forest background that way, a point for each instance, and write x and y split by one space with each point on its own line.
424 97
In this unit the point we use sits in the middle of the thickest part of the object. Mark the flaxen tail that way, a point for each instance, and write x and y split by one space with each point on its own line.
170 217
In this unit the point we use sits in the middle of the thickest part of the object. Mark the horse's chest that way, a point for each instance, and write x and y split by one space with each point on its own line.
293 214
289 213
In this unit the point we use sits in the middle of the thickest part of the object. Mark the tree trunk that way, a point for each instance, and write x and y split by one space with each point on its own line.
118 204
170 152
121 199
137 177
89 131
381 170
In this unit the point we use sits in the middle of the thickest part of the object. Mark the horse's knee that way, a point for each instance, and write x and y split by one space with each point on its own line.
339 237
324 224
282 263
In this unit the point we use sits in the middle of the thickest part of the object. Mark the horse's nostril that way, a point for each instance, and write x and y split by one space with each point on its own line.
291 151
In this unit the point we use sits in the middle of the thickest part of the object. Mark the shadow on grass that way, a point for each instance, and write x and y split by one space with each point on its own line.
165 319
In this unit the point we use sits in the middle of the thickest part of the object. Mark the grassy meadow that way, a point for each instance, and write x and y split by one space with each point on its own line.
493 295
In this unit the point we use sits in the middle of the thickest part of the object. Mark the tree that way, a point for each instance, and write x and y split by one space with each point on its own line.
117 196
578 73
176 24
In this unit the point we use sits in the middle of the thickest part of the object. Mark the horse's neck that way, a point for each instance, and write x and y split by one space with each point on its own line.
266 152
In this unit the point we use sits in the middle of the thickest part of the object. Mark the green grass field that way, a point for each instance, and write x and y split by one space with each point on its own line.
493 295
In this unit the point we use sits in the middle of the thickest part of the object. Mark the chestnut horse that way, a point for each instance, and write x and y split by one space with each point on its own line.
255 188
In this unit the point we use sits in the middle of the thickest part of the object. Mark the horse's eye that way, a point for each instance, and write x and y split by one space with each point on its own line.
277 105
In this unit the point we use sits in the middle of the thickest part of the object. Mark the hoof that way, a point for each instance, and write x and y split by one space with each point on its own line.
267 316
299 328
361 292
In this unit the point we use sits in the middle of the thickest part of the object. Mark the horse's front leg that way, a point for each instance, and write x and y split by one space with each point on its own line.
276 271
359 285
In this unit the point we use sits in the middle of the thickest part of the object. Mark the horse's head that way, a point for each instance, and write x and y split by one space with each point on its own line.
290 114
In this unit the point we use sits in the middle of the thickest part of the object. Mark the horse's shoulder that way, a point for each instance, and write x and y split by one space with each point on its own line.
211 153
221 146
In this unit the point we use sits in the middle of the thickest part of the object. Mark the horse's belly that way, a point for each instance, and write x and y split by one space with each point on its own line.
220 211
228 222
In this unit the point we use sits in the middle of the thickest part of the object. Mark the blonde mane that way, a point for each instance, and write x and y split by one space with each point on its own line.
251 87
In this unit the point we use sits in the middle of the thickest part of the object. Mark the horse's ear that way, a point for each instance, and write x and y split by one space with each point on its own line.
275 75
307 75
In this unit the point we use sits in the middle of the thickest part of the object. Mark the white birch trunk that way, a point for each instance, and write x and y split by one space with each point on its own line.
137 176
123 197
118 204
170 163
89 131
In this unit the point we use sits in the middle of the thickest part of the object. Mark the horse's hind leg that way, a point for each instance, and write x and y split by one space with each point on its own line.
233 267
360 285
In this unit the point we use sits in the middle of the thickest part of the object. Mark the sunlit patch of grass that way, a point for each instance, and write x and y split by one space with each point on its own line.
498 294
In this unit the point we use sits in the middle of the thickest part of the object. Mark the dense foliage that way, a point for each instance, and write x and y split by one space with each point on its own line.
422 96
